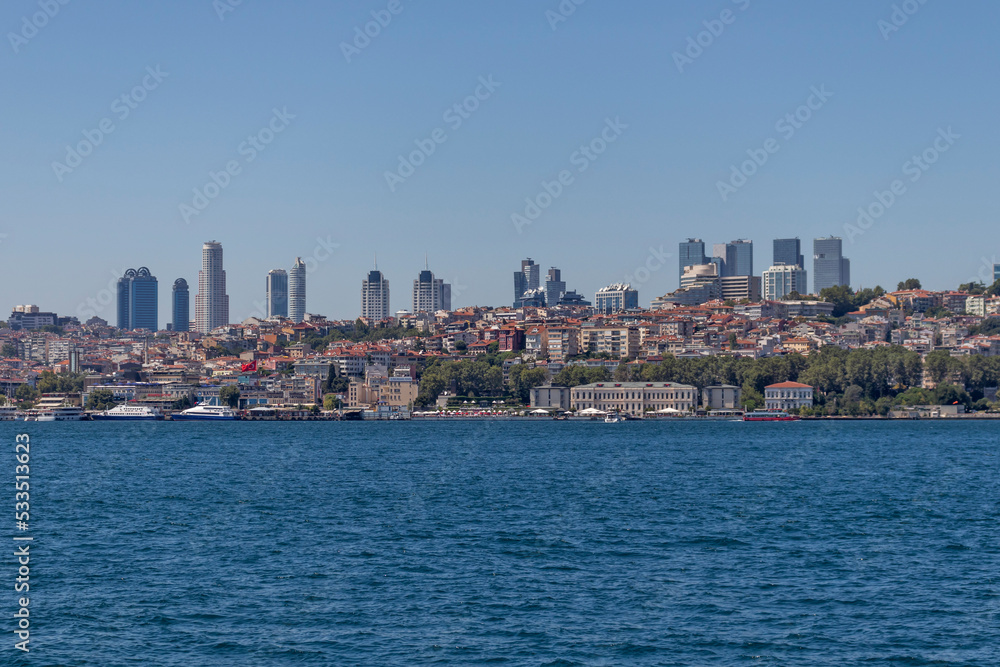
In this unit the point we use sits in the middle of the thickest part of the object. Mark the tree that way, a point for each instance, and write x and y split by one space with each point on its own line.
230 395
909 284
733 341
26 393
461 346
182 403
842 298
524 380
972 288
101 399
493 347
331 402
9 351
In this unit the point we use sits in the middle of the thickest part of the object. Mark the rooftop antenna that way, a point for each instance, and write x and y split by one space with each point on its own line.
426 265
376 261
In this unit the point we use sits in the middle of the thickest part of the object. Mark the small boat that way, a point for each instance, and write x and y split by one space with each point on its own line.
46 416
128 412
769 416
206 413
612 418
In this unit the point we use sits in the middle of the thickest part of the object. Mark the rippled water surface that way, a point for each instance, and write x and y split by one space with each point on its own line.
550 543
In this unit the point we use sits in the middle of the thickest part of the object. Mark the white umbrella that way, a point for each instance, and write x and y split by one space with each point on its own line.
592 411
666 411
539 411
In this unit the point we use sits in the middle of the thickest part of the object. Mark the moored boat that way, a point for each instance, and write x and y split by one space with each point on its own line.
206 413
128 412
769 416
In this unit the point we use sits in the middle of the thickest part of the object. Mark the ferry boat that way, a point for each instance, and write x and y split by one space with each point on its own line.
65 413
206 413
129 413
9 413
769 416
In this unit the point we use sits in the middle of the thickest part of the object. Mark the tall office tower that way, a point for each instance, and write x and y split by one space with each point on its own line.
375 296
211 304
297 291
830 267
143 301
555 287
788 252
718 258
782 279
430 294
528 278
690 253
124 299
276 293
182 306
736 256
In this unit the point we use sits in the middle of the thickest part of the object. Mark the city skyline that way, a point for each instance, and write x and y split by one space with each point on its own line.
323 174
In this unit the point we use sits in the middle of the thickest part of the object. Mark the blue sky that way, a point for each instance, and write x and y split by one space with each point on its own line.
322 179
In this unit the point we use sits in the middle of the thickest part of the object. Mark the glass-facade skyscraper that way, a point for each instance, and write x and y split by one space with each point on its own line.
788 251
137 300
181 306
830 267
690 253
276 293
297 291
528 278
735 258
211 304
555 287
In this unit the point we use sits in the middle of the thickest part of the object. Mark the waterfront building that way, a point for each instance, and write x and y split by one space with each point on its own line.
788 396
634 398
297 291
181 306
616 298
788 251
782 279
830 267
375 296
548 396
690 253
721 397
276 293
211 304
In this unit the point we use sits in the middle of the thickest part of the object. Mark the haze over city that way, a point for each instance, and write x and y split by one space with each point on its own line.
692 92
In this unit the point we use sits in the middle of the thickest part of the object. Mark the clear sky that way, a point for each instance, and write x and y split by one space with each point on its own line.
680 117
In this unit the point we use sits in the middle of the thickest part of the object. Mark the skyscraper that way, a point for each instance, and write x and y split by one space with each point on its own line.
143 301
830 267
690 253
297 291
375 296
181 306
137 300
788 252
528 278
555 287
782 279
124 299
211 304
430 294
276 293
736 256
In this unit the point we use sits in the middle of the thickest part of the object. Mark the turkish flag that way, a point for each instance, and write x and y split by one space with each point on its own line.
252 366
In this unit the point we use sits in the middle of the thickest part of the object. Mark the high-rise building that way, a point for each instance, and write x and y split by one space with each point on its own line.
736 256
616 298
528 278
430 294
143 301
181 306
788 252
830 267
276 293
124 299
375 296
782 279
690 253
211 304
297 291
137 300
555 287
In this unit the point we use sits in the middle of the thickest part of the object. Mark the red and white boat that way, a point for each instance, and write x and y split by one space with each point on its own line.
769 416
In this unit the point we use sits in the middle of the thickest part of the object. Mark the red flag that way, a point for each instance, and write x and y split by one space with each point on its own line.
955 403
252 366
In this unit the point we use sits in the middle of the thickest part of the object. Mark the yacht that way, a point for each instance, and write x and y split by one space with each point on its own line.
129 413
9 413
769 416
206 412
612 418
64 413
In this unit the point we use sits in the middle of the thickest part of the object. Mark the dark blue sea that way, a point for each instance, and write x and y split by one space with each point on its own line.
509 543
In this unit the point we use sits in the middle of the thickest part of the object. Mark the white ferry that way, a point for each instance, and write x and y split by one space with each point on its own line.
9 413
66 413
129 413
206 413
